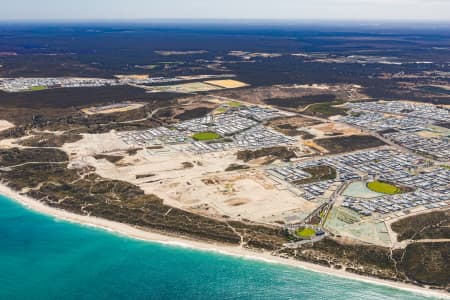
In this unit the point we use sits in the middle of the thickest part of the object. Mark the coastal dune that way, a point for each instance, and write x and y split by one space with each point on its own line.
142 234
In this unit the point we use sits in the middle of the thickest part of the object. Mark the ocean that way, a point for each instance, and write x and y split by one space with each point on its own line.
45 258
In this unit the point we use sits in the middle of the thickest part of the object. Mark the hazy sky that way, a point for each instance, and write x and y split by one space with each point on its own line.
437 10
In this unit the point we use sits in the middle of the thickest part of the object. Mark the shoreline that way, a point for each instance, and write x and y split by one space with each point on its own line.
235 251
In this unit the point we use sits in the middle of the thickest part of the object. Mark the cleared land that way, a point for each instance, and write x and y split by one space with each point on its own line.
113 108
111 158
345 222
205 188
184 88
193 87
332 129
227 83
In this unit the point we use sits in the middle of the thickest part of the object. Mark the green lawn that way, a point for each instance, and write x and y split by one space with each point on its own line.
221 110
206 136
306 233
383 188
38 88
234 104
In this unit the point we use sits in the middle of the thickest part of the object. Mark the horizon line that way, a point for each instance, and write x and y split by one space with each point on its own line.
230 20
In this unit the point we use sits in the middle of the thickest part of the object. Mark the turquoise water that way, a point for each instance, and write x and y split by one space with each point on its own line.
43 258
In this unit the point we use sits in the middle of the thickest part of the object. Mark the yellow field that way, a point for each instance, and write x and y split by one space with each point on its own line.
133 77
227 83
428 134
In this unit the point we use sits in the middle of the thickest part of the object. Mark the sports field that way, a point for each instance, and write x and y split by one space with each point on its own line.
38 88
383 188
206 136
306 233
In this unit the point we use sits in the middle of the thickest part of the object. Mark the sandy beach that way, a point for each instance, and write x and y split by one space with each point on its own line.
133 232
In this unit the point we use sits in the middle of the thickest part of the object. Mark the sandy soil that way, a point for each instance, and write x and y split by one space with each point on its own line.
8 143
137 233
327 129
133 76
182 88
227 83
244 194
92 144
105 110
313 145
428 134
203 187
5 125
